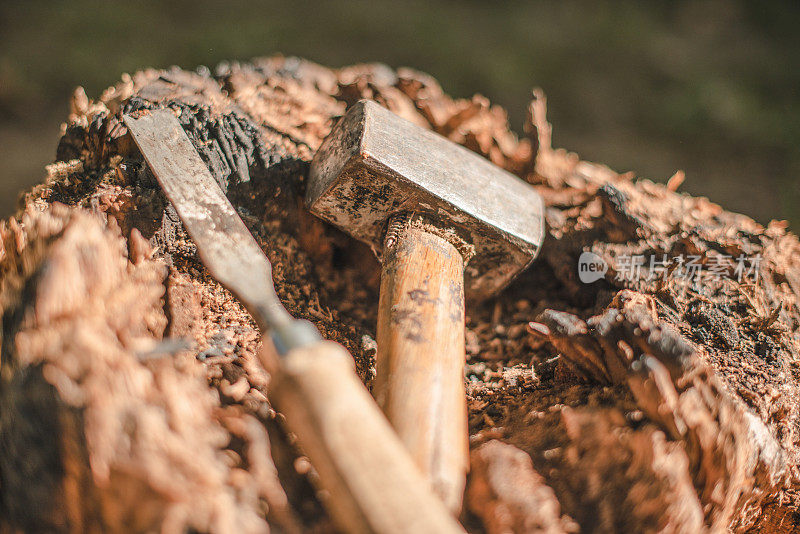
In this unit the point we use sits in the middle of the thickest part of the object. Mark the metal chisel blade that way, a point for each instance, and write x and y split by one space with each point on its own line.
225 245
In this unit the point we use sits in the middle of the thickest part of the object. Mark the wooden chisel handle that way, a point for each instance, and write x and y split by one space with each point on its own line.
371 482
420 363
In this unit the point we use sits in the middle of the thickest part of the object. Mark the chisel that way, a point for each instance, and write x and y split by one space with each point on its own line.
372 484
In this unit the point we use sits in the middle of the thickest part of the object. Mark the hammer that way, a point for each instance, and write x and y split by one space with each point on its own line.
441 219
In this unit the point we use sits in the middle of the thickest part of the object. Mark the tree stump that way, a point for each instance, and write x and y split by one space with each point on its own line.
132 399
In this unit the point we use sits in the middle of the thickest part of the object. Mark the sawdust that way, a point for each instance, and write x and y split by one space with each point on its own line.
686 421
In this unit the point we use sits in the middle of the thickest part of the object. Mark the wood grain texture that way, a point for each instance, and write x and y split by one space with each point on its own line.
420 361
370 480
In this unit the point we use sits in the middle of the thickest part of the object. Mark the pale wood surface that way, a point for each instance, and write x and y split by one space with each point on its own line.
420 362
370 481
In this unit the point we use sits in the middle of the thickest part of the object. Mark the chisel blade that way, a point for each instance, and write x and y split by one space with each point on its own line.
225 245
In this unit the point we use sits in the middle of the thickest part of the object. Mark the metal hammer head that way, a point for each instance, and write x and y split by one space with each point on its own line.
375 164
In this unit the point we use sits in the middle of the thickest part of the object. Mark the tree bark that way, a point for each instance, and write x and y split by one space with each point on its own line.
131 396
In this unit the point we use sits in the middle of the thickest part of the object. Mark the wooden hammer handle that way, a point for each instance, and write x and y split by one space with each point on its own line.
371 483
420 362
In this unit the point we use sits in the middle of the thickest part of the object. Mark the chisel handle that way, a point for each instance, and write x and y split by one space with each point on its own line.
370 482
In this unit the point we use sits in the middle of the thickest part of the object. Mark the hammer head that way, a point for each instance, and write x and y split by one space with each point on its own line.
375 164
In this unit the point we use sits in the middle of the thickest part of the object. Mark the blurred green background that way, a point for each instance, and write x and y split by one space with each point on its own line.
710 87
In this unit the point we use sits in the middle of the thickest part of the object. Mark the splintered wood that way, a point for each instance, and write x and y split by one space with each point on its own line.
657 400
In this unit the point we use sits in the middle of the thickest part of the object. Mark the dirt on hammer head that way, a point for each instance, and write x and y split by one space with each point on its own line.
375 164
